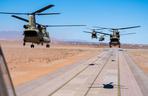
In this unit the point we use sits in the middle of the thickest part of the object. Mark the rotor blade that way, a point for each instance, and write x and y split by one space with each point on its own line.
43 9
14 13
23 19
20 18
119 28
64 25
48 13
87 32
103 33
128 27
101 27
128 34
29 13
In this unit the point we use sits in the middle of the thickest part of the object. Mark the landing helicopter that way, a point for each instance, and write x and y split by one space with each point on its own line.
115 36
36 33
94 34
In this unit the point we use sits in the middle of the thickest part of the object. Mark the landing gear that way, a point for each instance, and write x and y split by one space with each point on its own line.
110 45
47 46
32 46
24 44
119 46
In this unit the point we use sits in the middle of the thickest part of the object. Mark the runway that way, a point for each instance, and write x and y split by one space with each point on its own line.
86 78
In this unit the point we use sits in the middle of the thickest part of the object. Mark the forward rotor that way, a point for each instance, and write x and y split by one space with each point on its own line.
38 12
118 28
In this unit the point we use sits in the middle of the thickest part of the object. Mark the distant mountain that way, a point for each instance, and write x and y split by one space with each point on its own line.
10 35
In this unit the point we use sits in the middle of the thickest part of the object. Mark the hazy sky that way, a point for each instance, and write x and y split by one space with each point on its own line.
104 13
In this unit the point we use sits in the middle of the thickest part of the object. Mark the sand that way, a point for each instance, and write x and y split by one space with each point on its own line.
27 64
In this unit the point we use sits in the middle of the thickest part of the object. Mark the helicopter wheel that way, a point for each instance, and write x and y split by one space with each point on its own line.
119 46
42 44
47 46
24 44
32 46
110 45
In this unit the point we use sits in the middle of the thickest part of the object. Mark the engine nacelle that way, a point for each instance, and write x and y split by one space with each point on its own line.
26 26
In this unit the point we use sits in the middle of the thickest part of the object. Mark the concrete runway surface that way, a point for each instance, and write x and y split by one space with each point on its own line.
86 78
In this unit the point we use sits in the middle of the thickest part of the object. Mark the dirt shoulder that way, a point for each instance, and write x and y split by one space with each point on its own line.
140 56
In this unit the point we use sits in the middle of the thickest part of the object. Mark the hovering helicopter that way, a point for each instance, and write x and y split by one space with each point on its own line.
36 33
94 34
115 36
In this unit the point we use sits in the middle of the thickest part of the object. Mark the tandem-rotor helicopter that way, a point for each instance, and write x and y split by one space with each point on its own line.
94 34
34 32
114 37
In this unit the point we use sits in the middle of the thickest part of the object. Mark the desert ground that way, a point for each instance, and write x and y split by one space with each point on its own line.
140 56
57 71
26 64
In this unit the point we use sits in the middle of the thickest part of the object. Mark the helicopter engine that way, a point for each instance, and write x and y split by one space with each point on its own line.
26 26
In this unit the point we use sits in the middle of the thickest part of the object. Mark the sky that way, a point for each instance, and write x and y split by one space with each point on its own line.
103 13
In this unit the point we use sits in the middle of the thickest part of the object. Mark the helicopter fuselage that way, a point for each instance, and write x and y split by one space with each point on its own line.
35 36
94 35
114 39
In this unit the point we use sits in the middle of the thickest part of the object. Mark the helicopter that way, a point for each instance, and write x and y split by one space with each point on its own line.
115 36
94 34
34 32
38 35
